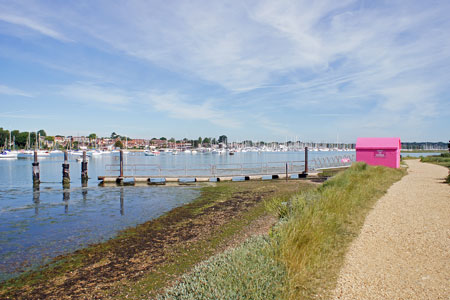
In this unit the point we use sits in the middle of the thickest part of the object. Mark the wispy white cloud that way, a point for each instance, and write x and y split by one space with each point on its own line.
22 114
176 106
33 25
369 61
6 90
94 93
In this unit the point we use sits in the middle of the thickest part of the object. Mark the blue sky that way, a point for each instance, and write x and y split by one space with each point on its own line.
260 70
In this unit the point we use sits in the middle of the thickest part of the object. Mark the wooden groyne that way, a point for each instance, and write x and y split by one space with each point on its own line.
156 180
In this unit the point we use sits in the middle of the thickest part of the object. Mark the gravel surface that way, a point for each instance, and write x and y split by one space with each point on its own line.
403 250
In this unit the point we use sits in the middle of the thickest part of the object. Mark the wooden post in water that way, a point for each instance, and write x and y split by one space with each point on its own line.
121 163
65 171
286 172
306 161
36 172
119 179
84 169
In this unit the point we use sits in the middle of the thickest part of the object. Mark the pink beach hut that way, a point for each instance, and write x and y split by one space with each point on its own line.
379 151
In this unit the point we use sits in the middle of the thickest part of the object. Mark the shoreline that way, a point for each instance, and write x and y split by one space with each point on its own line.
154 253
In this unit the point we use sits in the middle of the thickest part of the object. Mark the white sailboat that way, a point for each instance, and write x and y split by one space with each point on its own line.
8 154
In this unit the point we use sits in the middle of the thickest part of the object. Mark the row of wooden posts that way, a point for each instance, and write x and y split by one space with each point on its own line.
84 168
65 170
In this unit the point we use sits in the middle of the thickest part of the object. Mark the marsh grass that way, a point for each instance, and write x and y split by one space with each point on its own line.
302 255
320 225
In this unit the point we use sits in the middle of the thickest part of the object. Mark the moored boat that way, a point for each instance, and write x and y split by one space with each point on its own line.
8 154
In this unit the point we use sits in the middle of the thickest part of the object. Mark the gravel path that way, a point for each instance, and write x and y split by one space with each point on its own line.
403 250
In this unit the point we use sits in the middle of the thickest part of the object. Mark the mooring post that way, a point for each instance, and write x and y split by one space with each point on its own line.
65 171
36 173
286 172
121 163
306 161
84 169
119 179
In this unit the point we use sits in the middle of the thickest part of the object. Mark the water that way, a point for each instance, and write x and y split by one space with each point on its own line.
37 225
404 154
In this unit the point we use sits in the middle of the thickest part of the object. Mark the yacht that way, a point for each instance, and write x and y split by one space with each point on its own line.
8 154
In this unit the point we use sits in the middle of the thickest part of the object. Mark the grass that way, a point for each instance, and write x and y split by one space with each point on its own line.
183 260
303 254
247 272
246 200
442 160
422 151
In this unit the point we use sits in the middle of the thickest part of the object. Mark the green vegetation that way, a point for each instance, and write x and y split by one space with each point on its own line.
421 151
20 138
118 144
442 160
143 260
304 252
247 272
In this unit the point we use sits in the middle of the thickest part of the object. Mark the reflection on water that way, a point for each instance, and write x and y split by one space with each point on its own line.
66 198
121 201
32 233
36 195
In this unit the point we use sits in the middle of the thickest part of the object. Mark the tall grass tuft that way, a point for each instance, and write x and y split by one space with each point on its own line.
321 224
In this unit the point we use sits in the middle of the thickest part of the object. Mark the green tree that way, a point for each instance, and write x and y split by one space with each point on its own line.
200 140
163 139
118 144
207 141
223 139
21 139
92 136
214 141
42 132
32 139
172 140
114 135
4 134
50 138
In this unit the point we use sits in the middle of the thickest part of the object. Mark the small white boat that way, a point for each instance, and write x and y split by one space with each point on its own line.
42 153
8 154
80 153
30 154
95 153
194 152
151 153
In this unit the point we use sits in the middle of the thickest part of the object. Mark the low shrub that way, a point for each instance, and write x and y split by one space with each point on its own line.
247 272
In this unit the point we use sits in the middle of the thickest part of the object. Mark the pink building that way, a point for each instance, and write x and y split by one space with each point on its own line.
379 151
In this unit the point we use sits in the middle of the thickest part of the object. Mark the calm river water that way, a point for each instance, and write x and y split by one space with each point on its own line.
37 225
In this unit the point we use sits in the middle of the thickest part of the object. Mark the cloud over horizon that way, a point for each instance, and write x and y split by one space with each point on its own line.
367 67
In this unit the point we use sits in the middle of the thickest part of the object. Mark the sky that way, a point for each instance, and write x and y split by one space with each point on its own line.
259 70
